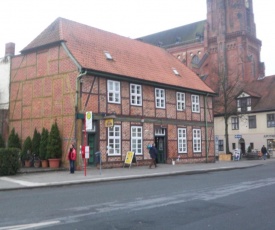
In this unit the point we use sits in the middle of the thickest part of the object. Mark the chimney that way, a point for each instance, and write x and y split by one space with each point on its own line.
10 49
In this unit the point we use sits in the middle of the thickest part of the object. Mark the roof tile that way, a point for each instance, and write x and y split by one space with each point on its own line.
131 58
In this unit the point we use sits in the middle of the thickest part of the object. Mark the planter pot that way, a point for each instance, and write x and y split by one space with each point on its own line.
54 163
27 163
37 163
45 163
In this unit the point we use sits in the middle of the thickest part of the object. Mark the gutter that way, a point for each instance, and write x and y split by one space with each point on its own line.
206 128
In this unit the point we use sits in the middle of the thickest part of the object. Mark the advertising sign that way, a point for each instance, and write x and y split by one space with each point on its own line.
87 152
89 121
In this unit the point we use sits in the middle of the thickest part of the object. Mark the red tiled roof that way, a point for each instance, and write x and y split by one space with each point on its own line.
131 58
265 90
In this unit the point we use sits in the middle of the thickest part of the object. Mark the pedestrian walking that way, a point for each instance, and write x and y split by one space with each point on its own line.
72 157
264 152
153 154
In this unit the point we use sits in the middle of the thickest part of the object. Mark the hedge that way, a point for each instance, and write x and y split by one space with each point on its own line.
9 161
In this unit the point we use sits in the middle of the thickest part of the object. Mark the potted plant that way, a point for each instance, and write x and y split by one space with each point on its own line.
26 152
43 148
35 148
54 147
14 141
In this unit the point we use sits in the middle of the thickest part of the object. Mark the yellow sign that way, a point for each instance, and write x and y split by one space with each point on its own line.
109 122
129 158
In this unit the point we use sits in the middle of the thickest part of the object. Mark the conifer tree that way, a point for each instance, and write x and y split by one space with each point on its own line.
14 141
43 144
2 142
27 149
36 142
54 148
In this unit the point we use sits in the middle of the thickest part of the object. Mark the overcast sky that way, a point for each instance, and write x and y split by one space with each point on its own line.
22 20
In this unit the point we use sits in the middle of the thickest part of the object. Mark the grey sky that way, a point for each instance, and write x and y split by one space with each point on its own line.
23 20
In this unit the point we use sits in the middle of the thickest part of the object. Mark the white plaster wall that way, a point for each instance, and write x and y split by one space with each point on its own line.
4 82
257 136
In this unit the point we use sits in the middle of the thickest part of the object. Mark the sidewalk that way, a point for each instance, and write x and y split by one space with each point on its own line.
36 178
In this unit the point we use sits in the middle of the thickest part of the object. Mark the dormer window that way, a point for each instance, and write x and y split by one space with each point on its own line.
244 104
108 55
175 72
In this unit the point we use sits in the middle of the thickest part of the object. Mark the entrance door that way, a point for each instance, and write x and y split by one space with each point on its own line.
242 146
161 147
91 143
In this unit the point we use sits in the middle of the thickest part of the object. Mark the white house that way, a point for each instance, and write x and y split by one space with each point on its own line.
254 122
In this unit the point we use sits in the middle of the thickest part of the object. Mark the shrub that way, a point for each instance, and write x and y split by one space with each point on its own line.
54 147
2 142
27 149
36 142
9 161
14 141
43 144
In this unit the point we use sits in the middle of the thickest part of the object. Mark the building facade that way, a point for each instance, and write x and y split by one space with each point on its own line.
253 125
135 94
225 44
5 66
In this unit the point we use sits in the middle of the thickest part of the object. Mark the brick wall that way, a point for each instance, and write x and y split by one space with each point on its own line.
42 92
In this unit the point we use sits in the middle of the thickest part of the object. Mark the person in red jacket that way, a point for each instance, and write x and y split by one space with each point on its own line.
72 157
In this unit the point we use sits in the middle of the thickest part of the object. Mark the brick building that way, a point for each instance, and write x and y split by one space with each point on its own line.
71 68
223 44
222 50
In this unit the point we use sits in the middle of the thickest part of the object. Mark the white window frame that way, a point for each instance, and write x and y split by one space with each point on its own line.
196 140
136 94
235 123
180 101
114 140
160 98
113 91
182 140
195 99
136 139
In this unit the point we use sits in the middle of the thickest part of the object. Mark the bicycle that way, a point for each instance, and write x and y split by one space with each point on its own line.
35 161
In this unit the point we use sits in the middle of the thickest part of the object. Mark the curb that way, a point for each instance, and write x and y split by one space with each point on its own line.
121 178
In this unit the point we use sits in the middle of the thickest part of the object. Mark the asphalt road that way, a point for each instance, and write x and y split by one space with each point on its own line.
237 199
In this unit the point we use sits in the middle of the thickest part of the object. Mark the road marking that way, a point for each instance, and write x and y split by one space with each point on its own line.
21 182
29 226
142 203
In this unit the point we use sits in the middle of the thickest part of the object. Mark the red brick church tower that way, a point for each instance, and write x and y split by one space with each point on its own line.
223 45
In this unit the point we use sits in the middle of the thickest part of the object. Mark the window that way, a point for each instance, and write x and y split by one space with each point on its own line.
175 72
160 98
114 91
243 104
195 103
108 55
114 137
221 145
252 122
251 145
180 101
196 140
195 60
160 132
233 145
136 140
182 140
271 120
235 123
136 95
